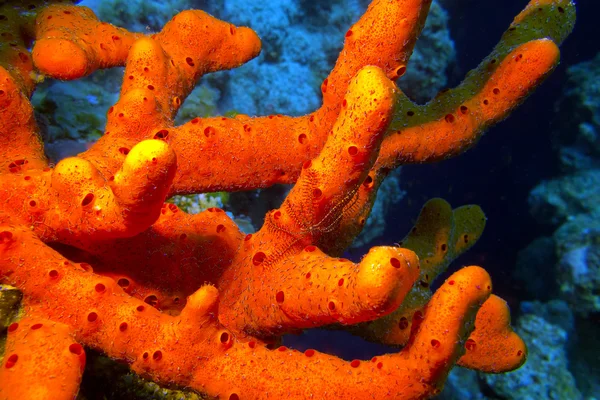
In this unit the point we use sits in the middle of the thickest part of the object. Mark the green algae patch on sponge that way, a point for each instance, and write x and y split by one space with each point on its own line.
439 236
456 119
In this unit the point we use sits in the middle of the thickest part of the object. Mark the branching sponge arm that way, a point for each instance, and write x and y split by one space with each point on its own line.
455 120
41 361
194 350
446 126
72 43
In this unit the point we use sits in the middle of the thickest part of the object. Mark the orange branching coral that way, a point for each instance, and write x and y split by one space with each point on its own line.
104 263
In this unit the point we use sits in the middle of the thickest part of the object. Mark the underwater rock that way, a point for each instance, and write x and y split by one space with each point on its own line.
577 136
77 109
534 269
555 201
299 52
63 148
434 54
137 15
578 268
462 384
555 312
570 206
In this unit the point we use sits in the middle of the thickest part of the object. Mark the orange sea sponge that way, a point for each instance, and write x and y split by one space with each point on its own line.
104 263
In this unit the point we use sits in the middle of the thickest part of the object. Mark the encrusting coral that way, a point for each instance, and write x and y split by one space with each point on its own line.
104 263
